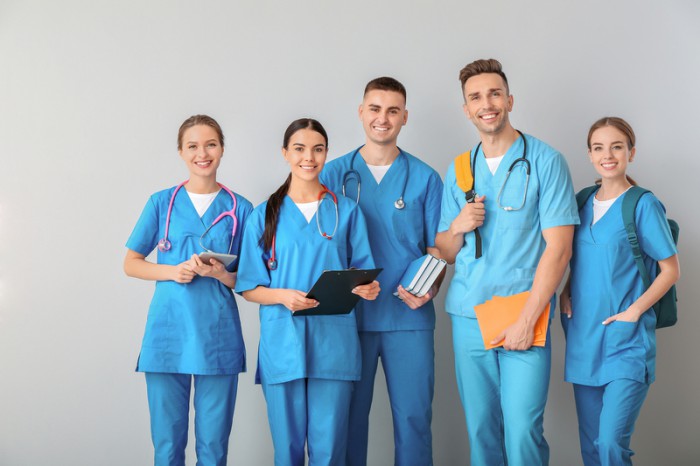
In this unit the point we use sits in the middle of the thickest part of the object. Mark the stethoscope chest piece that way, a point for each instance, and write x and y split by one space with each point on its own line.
399 203
164 245
272 264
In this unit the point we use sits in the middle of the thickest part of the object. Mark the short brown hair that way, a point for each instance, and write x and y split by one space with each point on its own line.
481 67
195 120
385 83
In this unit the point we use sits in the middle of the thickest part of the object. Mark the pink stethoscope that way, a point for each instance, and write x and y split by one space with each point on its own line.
272 261
164 244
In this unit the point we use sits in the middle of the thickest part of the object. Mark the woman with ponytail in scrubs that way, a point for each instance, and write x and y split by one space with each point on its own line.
306 364
193 332
606 312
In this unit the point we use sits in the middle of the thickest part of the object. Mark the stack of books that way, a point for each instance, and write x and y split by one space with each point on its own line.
421 274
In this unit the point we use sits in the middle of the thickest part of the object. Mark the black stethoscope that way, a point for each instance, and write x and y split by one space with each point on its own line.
354 174
272 261
521 159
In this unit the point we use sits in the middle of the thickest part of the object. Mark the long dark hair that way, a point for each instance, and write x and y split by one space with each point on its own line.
274 202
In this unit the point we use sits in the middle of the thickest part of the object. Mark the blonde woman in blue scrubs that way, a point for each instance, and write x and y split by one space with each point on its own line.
193 333
606 312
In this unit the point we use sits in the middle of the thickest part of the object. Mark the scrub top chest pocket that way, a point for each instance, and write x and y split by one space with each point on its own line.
512 213
409 224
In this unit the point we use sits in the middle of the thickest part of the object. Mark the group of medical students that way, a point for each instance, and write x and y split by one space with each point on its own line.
516 230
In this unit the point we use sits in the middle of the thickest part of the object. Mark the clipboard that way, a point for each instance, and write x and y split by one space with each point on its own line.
333 291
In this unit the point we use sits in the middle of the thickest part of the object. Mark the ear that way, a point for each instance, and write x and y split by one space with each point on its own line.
465 109
284 154
405 117
632 152
359 112
510 103
590 157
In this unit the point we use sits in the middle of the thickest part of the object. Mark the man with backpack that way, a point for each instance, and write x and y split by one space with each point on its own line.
509 230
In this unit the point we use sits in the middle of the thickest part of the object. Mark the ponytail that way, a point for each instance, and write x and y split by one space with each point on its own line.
272 210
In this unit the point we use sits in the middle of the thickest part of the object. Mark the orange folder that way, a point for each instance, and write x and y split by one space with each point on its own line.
499 312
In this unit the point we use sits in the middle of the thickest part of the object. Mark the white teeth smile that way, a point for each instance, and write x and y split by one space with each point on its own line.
377 128
203 164
307 167
490 116
609 164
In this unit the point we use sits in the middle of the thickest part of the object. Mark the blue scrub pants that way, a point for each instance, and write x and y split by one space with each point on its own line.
408 360
169 404
309 410
606 417
503 394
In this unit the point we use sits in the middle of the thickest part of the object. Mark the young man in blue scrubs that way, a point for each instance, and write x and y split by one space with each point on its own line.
526 225
400 197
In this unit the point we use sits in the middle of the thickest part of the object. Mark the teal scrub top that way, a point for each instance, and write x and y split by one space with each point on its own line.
512 241
192 328
397 236
605 281
291 348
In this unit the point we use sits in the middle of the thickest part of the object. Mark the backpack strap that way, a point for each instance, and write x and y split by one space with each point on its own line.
629 205
463 171
465 182
583 195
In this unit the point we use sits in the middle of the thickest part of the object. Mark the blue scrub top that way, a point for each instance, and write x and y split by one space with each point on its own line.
397 236
325 347
605 281
192 328
512 241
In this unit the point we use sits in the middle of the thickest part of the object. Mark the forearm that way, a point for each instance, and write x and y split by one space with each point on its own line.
228 279
550 271
263 295
139 267
669 274
449 243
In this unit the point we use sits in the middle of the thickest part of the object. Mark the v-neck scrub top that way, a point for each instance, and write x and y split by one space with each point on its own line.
192 328
512 241
397 236
294 347
604 282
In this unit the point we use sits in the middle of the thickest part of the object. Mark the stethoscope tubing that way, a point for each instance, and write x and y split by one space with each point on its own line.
272 262
521 159
164 244
352 173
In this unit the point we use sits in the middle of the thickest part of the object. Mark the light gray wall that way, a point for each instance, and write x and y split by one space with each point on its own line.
92 94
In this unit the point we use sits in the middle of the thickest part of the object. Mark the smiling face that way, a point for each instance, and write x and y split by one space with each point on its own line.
487 103
306 154
382 114
610 152
201 150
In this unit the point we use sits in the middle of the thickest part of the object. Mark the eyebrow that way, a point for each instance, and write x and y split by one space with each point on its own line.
394 107
490 90
208 140
600 143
